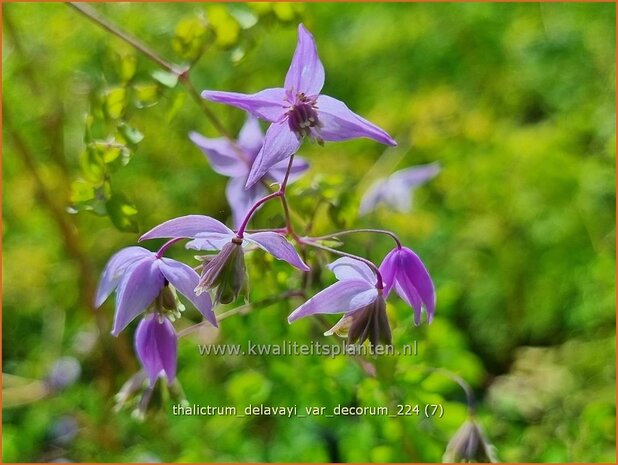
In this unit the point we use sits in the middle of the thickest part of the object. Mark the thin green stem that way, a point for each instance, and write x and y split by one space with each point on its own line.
364 230
470 399
379 281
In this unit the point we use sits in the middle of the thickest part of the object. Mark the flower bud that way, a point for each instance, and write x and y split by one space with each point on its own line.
226 272
470 445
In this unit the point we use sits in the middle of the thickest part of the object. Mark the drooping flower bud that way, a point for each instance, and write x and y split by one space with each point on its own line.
226 273
470 445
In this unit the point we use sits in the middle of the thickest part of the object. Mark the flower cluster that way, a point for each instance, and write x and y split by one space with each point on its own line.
148 283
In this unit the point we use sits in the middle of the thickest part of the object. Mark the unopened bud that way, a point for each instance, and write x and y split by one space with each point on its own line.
470 445
226 272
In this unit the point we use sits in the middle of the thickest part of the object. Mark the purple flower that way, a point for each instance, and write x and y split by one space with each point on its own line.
235 162
141 279
156 345
226 271
298 110
395 190
404 270
356 295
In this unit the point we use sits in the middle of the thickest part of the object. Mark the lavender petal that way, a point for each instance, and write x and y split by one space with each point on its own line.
189 226
279 143
240 199
185 279
115 267
279 247
341 123
306 72
138 288
222 156
349 268
267 104
341 297
299 166
251 137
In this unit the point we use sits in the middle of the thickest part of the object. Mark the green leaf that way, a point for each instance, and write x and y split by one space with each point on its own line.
86 197
115 102
92 165
146 95
113 153
131 134
122 212
88 122
127 65
245 17
81 191
225 25
177 104
166 78
190 38
342 210
286 11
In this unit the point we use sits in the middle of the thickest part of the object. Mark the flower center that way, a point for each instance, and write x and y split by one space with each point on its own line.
303 117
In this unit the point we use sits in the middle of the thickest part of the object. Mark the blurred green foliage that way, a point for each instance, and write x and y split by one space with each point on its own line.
516 102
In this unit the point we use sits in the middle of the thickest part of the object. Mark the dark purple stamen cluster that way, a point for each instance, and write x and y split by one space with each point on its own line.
303 116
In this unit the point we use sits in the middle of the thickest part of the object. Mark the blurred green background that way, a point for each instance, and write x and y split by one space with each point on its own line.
515 101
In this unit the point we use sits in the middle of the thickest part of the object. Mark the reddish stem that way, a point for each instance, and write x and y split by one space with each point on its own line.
263 200
167 245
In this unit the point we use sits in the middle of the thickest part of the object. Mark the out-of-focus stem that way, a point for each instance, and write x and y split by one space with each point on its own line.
68 233
95 16
470 399
182 73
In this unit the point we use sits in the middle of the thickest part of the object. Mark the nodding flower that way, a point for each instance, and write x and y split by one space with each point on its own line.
141 279
357 296
224 273
404 271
